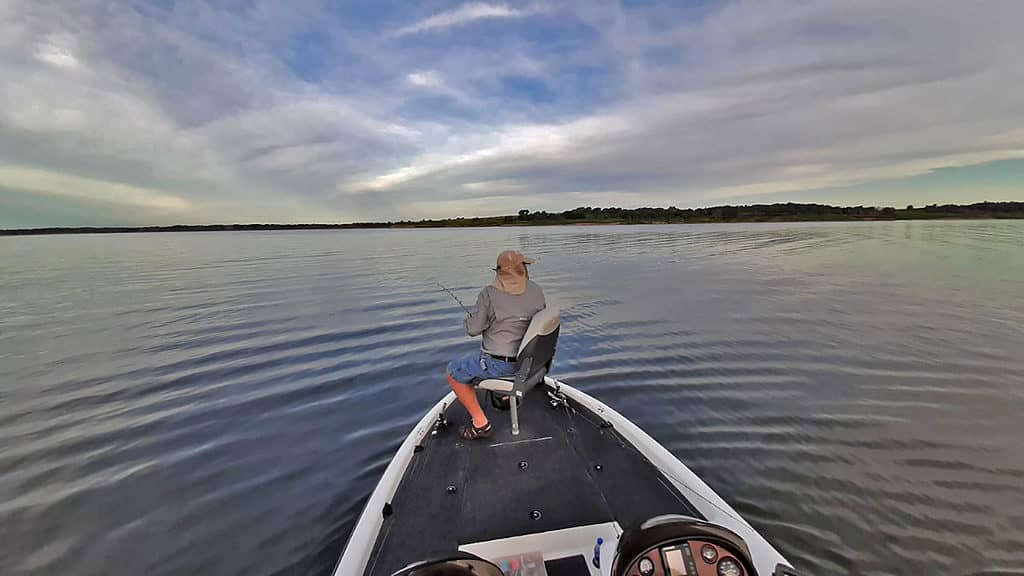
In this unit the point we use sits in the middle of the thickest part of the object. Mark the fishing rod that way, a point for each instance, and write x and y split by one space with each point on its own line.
452 294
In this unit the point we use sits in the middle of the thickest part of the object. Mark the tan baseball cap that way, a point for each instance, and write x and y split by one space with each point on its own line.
511 274
511 260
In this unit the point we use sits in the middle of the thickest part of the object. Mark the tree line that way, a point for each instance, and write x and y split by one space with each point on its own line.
787 212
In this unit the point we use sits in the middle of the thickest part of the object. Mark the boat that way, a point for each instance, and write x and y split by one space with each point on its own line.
567 486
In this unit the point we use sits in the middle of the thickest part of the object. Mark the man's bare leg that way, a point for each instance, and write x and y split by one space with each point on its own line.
467 397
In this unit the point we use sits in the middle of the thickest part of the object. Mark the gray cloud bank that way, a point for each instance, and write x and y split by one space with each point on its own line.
134 114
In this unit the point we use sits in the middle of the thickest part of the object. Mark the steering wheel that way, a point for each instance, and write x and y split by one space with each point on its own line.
675 545
462 564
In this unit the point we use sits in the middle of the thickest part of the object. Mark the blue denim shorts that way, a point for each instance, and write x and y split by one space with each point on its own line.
477 366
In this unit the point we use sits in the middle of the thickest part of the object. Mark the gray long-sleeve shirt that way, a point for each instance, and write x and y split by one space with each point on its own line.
503 318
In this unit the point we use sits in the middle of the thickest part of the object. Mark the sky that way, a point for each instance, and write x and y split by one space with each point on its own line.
162 112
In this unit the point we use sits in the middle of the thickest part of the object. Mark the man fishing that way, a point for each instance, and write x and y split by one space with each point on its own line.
502 315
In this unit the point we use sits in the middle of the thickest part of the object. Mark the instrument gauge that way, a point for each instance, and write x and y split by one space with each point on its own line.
709 553
729 567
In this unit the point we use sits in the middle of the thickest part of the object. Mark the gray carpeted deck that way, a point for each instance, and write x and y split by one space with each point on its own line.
576 473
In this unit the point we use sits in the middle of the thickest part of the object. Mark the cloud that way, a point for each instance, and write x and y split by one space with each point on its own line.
90 190
788 100
425 79
57 52
306 110
465 14
167 121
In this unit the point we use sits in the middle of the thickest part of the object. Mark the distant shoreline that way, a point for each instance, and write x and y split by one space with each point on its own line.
761 213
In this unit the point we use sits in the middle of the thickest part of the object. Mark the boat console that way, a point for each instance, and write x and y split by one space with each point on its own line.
670 545
681 546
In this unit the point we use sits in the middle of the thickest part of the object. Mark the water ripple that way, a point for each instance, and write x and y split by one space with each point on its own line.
223 403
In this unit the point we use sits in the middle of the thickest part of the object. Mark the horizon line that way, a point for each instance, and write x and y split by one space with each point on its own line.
1016 208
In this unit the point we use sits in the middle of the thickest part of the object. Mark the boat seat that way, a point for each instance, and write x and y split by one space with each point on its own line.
499 384
536 352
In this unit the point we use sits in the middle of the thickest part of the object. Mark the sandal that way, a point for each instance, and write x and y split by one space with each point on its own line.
471 432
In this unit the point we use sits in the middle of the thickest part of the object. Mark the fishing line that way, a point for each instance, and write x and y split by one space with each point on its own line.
694 491
452 294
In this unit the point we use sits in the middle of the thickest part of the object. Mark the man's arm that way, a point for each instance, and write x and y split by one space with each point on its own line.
480 318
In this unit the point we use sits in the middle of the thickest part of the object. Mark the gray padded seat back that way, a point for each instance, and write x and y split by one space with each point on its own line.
543 323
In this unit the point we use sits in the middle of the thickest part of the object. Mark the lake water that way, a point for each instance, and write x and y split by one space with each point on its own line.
222 403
